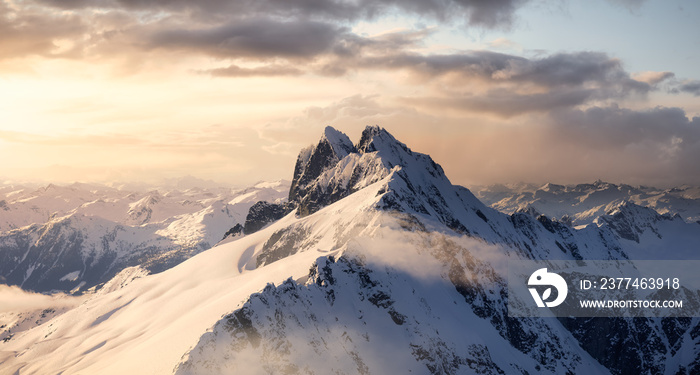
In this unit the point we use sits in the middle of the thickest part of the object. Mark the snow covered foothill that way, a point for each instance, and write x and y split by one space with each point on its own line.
91 232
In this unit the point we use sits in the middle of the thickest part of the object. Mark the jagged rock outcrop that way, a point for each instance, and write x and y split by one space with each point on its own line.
263 213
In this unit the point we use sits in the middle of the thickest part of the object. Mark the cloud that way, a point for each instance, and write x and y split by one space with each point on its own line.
261 38
14 299
502 84
275 38
509 85
488 14
659 145
261 71
558 70
360 107
689 86
27 32
350 115
298 132
505 103
652 78
263 28
227 153
504 43
614 127
570 69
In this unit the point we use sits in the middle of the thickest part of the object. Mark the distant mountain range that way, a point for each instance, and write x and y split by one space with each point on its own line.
582 204
79 236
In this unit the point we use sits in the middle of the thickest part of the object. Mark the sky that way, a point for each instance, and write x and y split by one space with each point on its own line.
502 91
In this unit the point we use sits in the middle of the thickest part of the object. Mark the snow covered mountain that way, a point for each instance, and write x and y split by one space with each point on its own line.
79 236
381 266
583 203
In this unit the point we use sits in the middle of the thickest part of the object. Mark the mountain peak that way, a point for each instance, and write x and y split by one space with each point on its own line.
319 179
365 144
339 142
314 160
375 138
415 184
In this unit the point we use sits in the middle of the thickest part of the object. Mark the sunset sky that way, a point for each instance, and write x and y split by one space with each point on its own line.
495 91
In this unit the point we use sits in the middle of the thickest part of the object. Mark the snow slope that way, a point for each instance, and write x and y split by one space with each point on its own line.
161 316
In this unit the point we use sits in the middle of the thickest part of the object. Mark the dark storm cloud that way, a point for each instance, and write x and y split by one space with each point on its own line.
252 38
483 13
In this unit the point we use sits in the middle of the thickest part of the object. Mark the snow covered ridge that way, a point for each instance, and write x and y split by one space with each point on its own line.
389 305
581 204
79 236
389 268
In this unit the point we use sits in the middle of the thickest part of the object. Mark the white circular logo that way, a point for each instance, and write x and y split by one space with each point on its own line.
543 278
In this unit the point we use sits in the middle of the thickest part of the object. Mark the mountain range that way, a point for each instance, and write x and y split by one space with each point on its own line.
374 263
581 204
77 237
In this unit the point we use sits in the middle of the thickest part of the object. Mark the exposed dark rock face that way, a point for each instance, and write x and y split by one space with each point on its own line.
235 231
263 213
306 189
